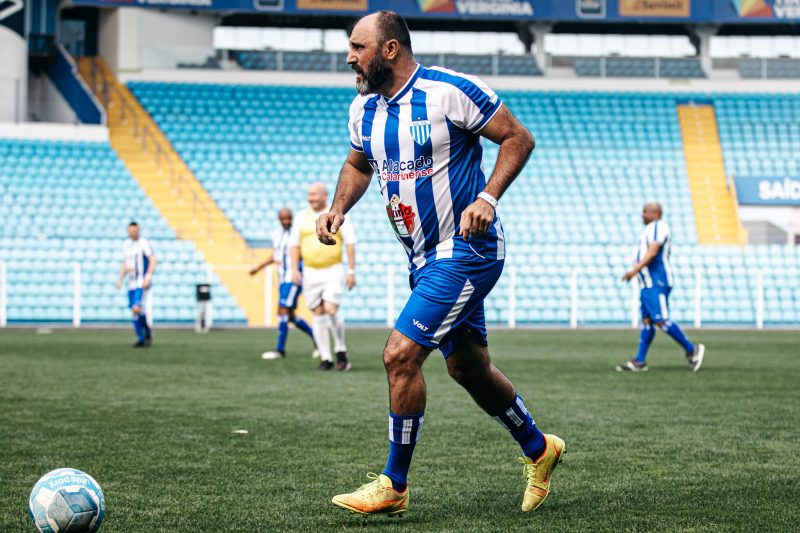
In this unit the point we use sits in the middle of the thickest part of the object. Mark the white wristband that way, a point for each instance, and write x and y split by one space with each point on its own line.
351 271
489 198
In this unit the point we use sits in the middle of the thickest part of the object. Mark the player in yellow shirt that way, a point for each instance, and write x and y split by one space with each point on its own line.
323 276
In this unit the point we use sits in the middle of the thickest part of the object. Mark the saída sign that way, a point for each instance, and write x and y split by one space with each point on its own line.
756 190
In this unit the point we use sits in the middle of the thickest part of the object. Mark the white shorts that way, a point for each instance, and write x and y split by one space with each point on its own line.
323 285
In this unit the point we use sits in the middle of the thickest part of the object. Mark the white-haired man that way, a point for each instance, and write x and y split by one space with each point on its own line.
323 277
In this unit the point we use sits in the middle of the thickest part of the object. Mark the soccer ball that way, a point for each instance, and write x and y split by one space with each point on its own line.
67 501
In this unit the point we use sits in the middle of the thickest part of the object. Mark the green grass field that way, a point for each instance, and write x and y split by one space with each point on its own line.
667 450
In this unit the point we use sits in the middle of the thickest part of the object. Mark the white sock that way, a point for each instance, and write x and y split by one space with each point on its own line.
337 329
321 328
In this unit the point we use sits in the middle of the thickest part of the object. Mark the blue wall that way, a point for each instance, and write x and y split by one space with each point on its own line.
66 79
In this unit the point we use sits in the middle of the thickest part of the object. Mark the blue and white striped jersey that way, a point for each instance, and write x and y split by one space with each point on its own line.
282 255
659 272
136 256
425 148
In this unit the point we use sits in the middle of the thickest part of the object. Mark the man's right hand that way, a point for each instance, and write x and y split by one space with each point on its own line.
119 285
328 225
297 277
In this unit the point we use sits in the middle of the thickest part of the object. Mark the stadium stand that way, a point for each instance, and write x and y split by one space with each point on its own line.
769 68
211 62
503 65
631 67
599 157
766 124
57 199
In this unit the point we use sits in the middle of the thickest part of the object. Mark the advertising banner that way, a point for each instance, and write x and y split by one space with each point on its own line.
590 9
468 8
333 5
758 190
644 11
758 10
655 8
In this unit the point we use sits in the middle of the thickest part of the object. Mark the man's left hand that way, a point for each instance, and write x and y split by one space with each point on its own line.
629 275
146 283
476 219
351 281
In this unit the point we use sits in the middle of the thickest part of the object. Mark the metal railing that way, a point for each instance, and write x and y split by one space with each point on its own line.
698 298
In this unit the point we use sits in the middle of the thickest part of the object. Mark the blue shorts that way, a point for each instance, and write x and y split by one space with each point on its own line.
135 297
289 293
655 304
447 298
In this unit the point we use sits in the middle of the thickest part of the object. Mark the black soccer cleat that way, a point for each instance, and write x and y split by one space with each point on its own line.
148 341
325 366
140 344
342 363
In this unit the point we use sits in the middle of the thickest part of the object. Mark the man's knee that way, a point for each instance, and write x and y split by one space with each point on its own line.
467 372
469 363
136 309
402 356
330 308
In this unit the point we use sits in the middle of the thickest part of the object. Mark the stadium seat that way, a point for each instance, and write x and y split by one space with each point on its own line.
62 199
576 205
337 62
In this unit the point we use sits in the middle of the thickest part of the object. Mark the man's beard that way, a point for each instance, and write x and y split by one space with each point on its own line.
379 71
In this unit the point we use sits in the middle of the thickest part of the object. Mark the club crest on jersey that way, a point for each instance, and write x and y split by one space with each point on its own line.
421 131
401 216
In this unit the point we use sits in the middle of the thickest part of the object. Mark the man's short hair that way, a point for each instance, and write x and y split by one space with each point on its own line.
133 223
390 26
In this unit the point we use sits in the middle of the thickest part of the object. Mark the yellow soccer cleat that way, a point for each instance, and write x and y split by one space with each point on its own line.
538 473
376 497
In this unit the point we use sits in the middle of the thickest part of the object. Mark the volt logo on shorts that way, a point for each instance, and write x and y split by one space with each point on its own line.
420 325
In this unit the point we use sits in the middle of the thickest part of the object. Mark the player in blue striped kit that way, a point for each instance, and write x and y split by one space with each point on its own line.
289 291
654 272
419 131
139 265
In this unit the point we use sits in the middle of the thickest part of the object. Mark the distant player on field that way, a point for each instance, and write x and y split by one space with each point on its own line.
139 265
289 291
323 276
419 129
655 279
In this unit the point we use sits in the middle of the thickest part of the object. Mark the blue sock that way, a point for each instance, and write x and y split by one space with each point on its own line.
283 332
403 436
137 327
673 330
303 326
143 324
646 337
516 419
